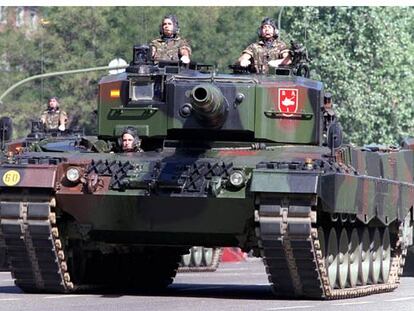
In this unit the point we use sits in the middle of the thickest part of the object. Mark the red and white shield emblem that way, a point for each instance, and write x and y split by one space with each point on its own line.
288 100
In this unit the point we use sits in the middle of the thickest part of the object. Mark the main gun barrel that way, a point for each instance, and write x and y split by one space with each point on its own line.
209 105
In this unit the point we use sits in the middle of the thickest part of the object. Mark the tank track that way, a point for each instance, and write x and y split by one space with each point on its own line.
293 258
39 262
217 252
35 253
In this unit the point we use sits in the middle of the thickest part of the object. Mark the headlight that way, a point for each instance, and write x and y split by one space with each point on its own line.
237 179
73 174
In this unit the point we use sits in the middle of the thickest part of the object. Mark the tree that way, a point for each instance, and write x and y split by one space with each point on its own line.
362 54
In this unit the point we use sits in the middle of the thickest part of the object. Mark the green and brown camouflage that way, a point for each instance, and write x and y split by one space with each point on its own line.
230 160
52 118
169 50
261 54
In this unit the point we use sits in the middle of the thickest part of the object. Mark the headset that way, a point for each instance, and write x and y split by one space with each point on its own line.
174 19
131 131
271 22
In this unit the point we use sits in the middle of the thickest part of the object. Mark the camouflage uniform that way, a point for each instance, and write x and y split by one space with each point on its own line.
51 118
261 53
169 49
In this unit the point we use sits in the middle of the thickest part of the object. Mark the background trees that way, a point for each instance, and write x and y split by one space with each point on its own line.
363 55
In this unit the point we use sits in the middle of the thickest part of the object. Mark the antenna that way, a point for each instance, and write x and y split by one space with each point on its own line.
144 20
279 19
306 33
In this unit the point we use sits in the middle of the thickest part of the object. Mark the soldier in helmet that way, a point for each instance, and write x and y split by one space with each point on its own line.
53 118
129 140
170 46
269 50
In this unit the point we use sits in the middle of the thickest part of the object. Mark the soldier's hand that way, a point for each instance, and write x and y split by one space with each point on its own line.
61 127
185 59
244 62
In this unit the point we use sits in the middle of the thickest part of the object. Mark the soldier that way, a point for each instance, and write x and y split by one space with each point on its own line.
53 118
269 50
170 46
129 140
328 111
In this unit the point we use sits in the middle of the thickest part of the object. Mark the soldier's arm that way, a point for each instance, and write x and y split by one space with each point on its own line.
185 48
286 59
153 49
184 51
43 118
245 57
63 117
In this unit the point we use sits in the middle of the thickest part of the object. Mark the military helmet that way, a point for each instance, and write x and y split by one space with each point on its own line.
174 19
131 131
271 22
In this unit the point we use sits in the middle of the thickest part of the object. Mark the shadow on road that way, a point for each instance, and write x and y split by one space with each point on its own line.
222 291
10 289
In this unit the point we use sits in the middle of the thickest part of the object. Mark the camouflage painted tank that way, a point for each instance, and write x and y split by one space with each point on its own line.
235 160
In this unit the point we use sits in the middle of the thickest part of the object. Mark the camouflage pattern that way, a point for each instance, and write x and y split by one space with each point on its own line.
229 161
51 118
262 54
169 50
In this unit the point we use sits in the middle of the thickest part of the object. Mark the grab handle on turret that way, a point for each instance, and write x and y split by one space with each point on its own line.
288 115
146 110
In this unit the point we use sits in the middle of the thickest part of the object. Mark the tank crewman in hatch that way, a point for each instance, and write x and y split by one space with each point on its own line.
129 140
269 50
170 46
53 118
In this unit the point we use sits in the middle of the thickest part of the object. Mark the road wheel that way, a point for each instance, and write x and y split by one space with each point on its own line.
385 256
332 257
365 257
196 256
343 259
207 256
354 258
375 262
186 259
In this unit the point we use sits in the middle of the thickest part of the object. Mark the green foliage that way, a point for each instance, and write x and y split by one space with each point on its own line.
362 54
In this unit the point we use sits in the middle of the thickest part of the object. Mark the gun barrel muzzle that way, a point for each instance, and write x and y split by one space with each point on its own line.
209 104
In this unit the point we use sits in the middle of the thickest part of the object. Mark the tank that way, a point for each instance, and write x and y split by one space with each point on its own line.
230 160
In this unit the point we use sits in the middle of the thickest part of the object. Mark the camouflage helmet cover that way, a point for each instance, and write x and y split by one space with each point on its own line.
174 19
131 131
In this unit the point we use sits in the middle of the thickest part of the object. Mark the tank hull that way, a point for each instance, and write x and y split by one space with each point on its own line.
292 207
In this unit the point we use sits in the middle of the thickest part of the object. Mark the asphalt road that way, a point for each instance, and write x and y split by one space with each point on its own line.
235 286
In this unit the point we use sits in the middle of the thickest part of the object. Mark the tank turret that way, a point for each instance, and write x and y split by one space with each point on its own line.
167 101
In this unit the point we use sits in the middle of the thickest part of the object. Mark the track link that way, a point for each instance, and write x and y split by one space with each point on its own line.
292 254
35 253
